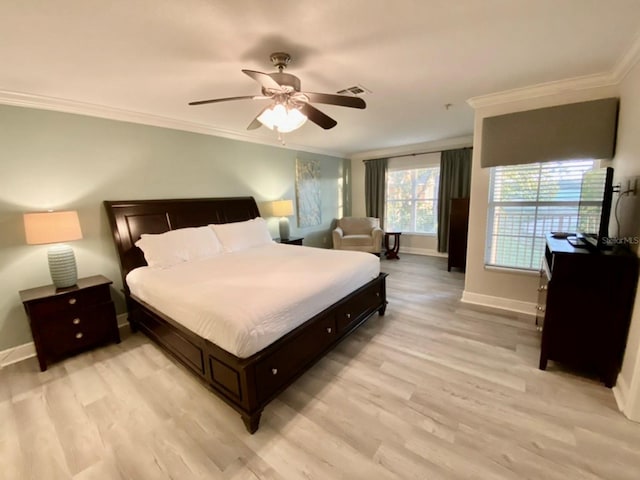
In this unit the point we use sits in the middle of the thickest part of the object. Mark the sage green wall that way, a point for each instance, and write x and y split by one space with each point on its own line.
52 160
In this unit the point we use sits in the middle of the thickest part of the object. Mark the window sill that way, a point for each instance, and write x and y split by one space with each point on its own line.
518 271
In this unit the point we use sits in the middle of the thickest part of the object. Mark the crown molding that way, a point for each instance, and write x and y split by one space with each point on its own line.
543 89
41 102
622 67
627 61
434 145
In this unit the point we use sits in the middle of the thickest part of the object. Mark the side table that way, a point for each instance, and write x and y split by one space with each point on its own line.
71 320
392 252
290 240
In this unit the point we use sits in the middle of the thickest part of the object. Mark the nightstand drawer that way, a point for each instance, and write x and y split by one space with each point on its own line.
72 301
91 326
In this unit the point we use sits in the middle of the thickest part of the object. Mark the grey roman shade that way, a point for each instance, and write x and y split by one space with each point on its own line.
564 132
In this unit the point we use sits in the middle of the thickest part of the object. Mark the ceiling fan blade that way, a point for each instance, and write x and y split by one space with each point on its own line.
263 79
257 123
216 100
317 117
341 100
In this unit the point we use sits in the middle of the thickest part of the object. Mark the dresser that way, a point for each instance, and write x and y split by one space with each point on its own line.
585 300
71 320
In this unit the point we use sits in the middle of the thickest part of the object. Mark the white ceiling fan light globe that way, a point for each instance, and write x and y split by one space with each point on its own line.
282 119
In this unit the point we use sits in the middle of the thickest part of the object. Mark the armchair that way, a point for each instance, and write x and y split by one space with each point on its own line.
358 233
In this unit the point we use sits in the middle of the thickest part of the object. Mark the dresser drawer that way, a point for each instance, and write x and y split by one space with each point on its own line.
359 306
86 328
70 302
276 369
541 307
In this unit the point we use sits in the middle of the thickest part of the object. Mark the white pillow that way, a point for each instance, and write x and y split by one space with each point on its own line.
176 246
239 236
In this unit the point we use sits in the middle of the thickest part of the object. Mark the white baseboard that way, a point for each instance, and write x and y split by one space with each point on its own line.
17 354
518 306
28 350
621 393
422 251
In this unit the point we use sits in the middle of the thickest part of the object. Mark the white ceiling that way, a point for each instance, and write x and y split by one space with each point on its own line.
149 58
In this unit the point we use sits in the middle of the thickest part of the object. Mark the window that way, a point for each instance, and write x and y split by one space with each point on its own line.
412 199
525 203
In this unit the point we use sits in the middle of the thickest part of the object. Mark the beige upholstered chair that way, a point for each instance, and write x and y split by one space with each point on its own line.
358 233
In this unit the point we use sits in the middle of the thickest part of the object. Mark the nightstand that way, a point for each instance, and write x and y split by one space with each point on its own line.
290 240
71 320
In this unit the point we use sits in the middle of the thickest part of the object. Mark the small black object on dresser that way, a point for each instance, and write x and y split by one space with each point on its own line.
290 240
70 320
585 300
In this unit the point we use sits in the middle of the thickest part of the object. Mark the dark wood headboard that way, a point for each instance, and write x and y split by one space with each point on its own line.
131 218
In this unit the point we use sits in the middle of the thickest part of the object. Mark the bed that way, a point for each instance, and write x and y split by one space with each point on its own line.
246 374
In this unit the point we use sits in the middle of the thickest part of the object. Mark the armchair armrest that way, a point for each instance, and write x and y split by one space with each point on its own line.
337 235
377 233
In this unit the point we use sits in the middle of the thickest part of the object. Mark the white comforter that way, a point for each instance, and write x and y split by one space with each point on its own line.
244 301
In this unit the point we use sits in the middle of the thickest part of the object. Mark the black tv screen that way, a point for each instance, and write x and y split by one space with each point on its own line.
594 209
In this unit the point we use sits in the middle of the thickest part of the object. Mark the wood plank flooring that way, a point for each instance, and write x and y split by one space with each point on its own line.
433 390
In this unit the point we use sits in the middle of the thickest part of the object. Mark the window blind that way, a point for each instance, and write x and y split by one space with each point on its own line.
525 203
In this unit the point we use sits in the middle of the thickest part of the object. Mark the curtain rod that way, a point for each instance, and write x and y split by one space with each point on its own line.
418 153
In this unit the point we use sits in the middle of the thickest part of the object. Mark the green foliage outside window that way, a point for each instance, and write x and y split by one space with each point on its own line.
412 200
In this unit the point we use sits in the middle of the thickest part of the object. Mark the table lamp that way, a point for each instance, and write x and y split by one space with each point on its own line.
283 209
56 227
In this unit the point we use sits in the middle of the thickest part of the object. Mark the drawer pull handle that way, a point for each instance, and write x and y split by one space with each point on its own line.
76 321
329 330
542 288
348 315
274 371
79 335
72 301
539 308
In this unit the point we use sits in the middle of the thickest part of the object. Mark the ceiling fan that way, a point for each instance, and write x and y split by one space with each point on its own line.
290 108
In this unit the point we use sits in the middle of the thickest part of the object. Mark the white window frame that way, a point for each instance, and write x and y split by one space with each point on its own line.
536 237
417 162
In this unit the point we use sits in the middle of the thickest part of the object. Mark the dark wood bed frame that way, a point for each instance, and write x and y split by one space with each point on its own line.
246 384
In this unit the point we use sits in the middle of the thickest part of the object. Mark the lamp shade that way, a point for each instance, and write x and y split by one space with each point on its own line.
282 208
52 227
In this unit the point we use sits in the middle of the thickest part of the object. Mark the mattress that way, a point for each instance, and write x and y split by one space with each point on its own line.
244 301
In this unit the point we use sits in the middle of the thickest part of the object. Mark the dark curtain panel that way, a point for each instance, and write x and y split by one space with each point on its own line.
375 173
455 182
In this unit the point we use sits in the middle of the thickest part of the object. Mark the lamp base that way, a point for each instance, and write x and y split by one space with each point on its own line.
284 228
62 266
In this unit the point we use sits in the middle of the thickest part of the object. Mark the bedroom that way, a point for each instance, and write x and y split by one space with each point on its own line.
57 152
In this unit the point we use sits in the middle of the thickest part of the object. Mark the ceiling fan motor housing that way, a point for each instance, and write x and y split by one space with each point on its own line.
280 60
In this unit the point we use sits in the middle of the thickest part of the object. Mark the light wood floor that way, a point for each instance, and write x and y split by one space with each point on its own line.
433 390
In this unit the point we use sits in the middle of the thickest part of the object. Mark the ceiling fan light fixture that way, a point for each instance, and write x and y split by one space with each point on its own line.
282 118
